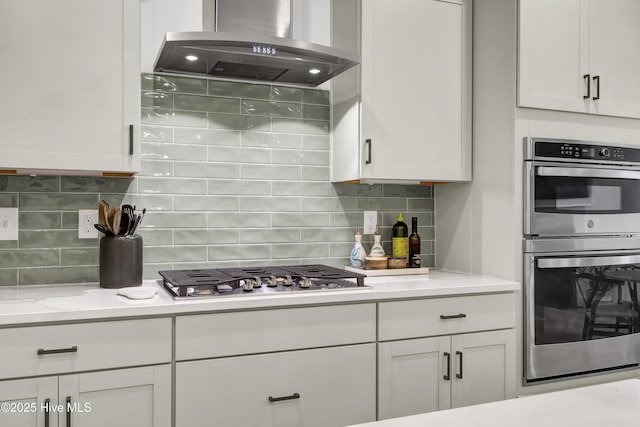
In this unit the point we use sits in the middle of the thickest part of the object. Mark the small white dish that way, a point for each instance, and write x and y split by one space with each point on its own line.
138 292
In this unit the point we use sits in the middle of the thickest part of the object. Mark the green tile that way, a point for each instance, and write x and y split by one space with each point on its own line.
267 108
28 258
8 277
316 112
156 99
239 122
57 201
174 84
165 117
39 220
310 96
86 256
22 183
54 239
95 184
393 190
8 200
239 90
58 275
213 104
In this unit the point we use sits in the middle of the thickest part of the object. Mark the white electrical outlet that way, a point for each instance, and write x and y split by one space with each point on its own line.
86 219
8 223
370 222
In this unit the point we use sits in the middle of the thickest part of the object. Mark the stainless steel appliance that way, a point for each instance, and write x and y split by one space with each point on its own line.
581 258
250 40
244 281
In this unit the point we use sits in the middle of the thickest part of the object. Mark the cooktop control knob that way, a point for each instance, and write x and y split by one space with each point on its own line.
304 282
258 282
247 285
604 152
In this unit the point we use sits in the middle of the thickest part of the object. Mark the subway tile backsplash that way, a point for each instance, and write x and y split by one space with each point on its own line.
233 174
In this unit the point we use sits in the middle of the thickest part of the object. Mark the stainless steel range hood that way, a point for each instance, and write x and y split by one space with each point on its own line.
250 40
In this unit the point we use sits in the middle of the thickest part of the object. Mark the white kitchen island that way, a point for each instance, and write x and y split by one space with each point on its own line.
611 404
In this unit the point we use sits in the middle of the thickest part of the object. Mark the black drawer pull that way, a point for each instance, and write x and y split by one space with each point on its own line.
368 142
131 139
73 349
459 375
447 376
587 78
279 399
47 403
68 410
453 316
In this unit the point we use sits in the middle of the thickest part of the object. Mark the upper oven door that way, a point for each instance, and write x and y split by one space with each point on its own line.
563 199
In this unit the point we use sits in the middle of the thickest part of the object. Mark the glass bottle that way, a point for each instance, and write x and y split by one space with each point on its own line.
414 245
400 239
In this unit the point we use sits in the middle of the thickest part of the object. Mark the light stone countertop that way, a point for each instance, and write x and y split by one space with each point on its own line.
611 404
66 303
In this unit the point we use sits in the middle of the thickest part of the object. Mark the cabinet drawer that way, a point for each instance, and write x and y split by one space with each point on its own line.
322 387
442 316
42 350
227 334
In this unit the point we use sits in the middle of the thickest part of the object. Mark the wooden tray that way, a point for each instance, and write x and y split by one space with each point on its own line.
389 271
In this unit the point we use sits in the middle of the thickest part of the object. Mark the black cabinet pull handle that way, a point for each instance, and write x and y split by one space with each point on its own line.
596 81
278 399
587 78
68 409
447 376
131 139
459 376
73 349
47 402
453 316
368 142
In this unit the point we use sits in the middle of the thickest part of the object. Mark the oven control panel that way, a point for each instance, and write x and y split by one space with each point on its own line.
570 150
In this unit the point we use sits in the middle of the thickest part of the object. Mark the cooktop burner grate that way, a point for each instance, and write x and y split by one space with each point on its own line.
258 280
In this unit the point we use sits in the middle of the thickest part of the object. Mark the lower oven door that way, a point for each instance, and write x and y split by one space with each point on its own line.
581 313
563 199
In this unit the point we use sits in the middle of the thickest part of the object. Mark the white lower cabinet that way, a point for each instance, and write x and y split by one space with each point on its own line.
137 397
93 374
445 353
430 374
322 387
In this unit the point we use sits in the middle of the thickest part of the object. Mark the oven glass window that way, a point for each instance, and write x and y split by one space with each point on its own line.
585 303
555 194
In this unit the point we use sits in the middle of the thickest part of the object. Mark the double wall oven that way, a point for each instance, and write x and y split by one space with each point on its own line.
581 258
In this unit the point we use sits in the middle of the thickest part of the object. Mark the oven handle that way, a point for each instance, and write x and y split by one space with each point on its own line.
586 172
588 261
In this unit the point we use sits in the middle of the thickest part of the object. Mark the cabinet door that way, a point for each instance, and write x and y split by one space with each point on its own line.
25 402
414 376
553 55
70 85
483 367
313 388
615 56
416 83
139 397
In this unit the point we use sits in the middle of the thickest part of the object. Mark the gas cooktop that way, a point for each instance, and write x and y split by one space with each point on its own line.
221 282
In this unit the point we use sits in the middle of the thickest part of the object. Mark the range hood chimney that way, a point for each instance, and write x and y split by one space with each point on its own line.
249 40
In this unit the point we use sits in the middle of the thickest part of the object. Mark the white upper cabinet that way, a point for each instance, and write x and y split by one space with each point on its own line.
404 114
71 86
580 56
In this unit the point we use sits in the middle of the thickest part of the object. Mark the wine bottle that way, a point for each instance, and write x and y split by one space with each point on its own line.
400 239
414 245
